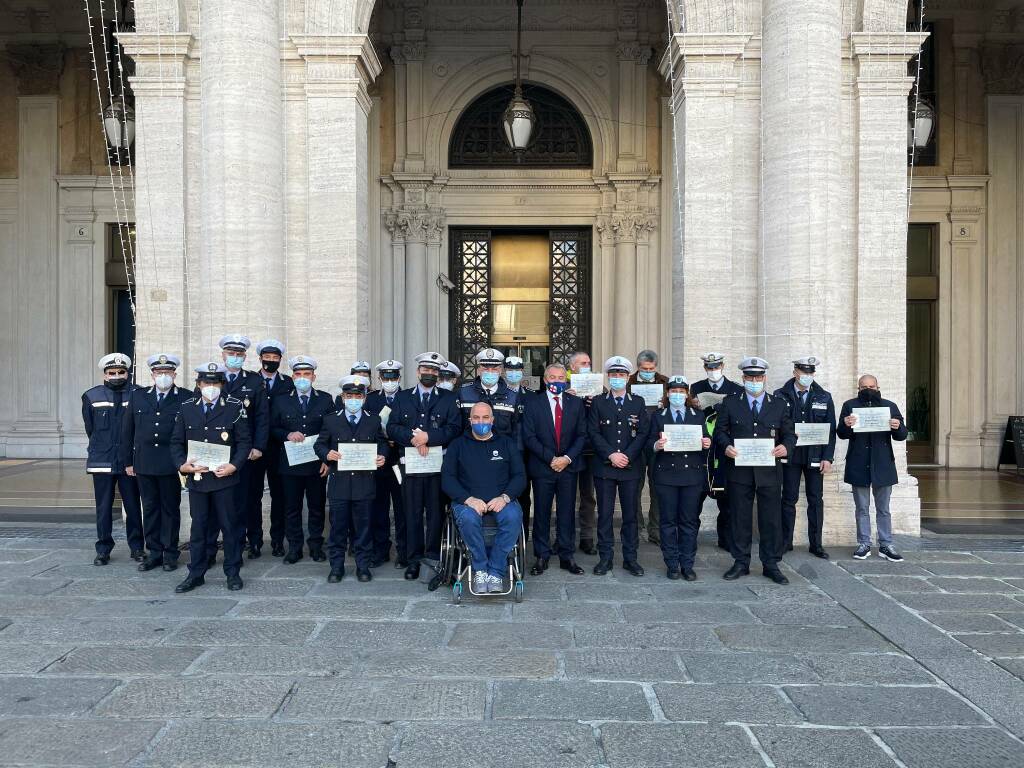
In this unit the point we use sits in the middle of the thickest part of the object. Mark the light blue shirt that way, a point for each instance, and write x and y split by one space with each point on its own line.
759 400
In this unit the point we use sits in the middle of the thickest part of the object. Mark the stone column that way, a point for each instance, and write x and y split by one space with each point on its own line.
242 179
338 70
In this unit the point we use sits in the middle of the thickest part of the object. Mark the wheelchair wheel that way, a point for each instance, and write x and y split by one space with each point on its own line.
520 557
457 592
517 591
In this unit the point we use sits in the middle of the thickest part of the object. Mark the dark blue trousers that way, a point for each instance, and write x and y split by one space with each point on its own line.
161 515
388 497
313 489
560 490
346 513
680 523
213 511
424 517
814 483
722 522
103 484
606 489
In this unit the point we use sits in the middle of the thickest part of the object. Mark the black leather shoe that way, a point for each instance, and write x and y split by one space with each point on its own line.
776 575
689 574
211 561
674 573
149 565
412 572
539 566
587 547
602 567
293 557
633 567
570 566
190 583
254 553
364 575
401 562
317 555
336 575
101 560
737 570
436 580
819 552
234 583
789 547
277 550
170 567
138 555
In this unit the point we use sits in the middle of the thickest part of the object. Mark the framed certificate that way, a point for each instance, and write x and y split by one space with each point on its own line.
651 393
683 437
812 434
587 384
210 455
872 419
300 453
357 457
754 452
423 465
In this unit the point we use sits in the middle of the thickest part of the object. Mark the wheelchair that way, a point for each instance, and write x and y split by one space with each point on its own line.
456 566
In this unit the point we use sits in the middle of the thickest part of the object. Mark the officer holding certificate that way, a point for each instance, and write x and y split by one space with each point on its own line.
754 431
809 404
294 423
678 477
211 428
351 485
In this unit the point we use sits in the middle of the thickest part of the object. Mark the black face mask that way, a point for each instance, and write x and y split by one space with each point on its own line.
869 395
271 366
117 383
428 379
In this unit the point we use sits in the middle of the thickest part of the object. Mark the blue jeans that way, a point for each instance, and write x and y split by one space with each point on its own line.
510 522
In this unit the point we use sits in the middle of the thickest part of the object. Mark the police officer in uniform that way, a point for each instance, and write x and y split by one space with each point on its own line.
295 418
424 416
579 362
388 493
448 376
514 372
216 418
618 428
489 387
271 352
103 408
350 492
647 373
247 387
361 370
755 414
678 481
716 383
808 402
146 455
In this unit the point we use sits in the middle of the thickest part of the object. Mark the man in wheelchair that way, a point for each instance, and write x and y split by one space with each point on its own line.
483 474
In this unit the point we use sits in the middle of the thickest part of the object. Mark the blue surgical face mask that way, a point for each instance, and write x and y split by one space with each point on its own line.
677 399
234 361
584 369
646 375
354 404
805 380
617 383
481 430
513 377
489 378
557 387
754 388
303 385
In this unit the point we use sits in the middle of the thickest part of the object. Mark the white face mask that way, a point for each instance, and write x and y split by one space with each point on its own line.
390 386
163 382
210 392
715 375
449 385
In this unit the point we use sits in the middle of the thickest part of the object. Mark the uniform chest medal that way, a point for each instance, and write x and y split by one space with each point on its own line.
245 403
223 435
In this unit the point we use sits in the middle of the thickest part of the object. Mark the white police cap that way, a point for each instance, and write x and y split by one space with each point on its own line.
389 365
451 368
619 364
352 383
807 364
713 359
211 371
302 363
753 366
270 345
234 341
163 360
515 363
489 355
677 381
360 366
115 360
431 360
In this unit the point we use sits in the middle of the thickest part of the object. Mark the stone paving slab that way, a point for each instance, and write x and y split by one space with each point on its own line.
376 635
21 555
367 700
577 613
803 639
1014 666
725 704
321 607
624 665
975 585
575 700
54 697
289 660
805 615
33 606
93 631
687 613
510 636
648 636
631 745
816 748
899 584
170 607
29 658
198 698
868 669
732 667
74 743
960 748
1016 619
996 645
489 609
961 621
483 664
1010 570
861 705
36 585
125 661
243 632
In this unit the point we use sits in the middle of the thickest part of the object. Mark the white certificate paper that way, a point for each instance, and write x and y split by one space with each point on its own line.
587 384
209 455
754 452
300 453
709 399
872 419
423 465
651 393
357 457
385 414
812 434
683 437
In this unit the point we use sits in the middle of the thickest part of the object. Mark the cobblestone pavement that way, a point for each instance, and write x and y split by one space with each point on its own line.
864 664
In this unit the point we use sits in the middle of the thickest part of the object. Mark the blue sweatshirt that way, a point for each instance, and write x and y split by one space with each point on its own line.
483 469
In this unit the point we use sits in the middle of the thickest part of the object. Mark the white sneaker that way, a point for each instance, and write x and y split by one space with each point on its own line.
497 584
481 583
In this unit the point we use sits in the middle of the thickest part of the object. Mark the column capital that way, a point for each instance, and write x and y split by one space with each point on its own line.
882 61
706 63
37 67
615 227
415 226
338 65
160 61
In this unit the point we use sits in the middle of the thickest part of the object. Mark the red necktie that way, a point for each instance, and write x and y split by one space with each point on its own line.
558 423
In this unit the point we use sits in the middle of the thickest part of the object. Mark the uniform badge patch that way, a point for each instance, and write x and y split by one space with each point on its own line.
246 402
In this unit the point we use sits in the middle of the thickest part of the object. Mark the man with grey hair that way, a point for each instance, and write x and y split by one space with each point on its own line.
579 362
647 373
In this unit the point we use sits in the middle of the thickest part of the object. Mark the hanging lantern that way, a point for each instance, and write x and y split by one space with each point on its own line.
519 119
920 125
119 124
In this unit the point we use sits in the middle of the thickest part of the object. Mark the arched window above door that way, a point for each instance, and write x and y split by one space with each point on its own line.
562 139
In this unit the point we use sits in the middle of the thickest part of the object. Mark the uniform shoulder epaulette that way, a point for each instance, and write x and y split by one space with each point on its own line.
190 400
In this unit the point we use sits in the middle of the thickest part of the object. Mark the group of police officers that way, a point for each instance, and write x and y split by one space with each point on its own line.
580 453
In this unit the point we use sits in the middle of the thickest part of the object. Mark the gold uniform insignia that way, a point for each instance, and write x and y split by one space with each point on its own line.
223 435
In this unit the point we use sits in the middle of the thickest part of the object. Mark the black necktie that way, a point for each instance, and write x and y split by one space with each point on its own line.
231 377
679 417
803 398
619 401
754 409
426 399
304 400
159 399
270 383
353 422
206 409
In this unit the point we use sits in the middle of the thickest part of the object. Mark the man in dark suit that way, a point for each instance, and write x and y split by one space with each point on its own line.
350 491
617 427
221 420
871 466
296 419
388 493
424 417
755 415
554 433
271 352
579 362
146 454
